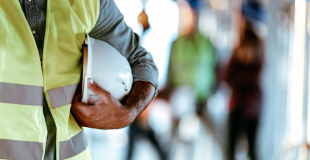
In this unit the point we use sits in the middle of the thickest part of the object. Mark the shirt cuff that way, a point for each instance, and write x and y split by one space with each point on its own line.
145 75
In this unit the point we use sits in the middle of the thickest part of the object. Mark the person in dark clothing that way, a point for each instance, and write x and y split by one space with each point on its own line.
243 75
136 131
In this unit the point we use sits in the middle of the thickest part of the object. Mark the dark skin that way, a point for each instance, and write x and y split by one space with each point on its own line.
108 112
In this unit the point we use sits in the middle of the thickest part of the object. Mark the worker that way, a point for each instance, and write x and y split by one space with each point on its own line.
191 74
243 74
41 116
192 60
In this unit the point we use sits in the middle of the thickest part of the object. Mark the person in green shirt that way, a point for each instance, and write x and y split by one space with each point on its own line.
192 60
192 63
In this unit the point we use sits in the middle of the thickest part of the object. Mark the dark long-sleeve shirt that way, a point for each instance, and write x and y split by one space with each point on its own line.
244 80
111 28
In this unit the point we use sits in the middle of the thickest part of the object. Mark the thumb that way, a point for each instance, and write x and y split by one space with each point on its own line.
96 88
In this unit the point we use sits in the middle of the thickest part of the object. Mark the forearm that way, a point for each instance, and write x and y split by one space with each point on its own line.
139 98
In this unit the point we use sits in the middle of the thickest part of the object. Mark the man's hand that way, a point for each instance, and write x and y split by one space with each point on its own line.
108 112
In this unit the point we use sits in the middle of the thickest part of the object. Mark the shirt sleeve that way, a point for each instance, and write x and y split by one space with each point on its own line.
111 28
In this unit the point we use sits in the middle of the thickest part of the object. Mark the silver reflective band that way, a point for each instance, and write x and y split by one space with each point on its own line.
74 146
12 149
21 94
62 96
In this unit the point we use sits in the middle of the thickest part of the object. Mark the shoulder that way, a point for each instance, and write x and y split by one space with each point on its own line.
107 6
108 10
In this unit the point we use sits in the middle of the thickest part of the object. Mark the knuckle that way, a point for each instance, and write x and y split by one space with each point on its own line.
103 94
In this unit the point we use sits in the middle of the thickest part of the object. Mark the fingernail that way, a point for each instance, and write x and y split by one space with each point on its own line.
91 81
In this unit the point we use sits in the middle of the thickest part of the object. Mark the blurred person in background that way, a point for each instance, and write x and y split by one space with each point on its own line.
243 75
141 128
190 79
192 58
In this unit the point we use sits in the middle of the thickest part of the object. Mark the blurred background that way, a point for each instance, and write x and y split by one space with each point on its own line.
233 77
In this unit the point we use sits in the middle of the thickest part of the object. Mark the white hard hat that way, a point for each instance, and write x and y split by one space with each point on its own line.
108 68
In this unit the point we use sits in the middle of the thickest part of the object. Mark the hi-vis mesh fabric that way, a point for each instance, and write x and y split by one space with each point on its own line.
23 81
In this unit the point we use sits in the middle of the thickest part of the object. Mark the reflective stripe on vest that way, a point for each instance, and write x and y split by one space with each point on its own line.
21 94
33 150
11 149
62 96
73 146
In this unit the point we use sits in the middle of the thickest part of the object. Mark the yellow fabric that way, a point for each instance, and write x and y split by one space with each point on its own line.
19 64
67 23
63 37
70 127
14 38
22 122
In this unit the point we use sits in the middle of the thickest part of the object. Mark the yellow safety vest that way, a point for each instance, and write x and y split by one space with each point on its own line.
23 130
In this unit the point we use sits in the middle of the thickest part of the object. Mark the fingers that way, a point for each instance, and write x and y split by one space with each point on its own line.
78 108
96 88
81 112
